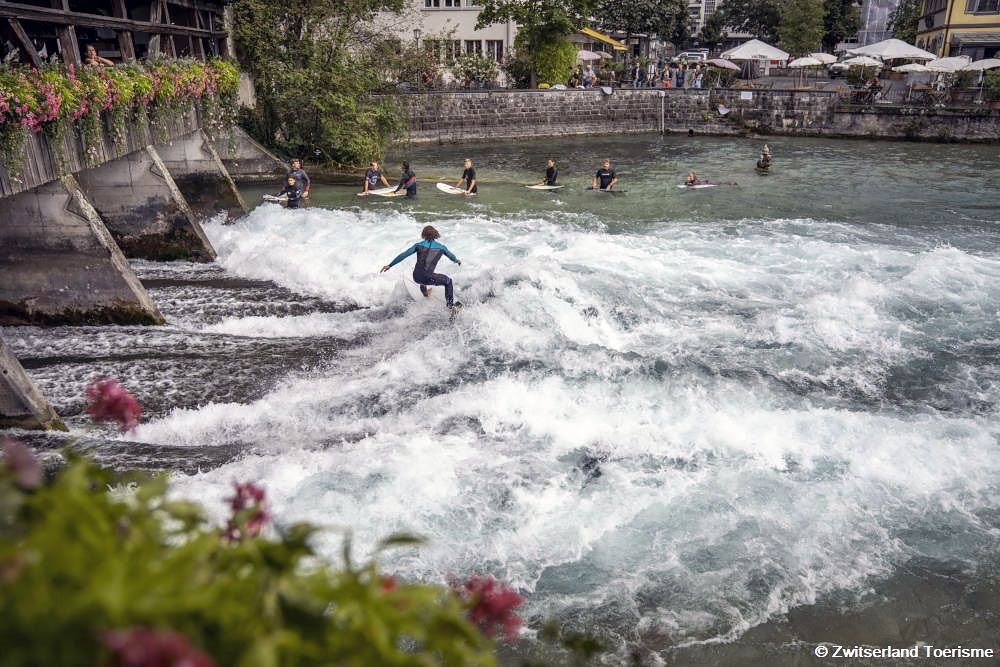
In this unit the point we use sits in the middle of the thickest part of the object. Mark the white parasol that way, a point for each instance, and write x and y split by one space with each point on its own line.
890 49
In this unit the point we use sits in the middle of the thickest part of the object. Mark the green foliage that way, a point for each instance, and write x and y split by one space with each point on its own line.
84 555
857 76
666 18
757 17
518 71
841 19
475 69
553 60
801 26
315 71
415 65
717 77
991 84
713 31
904 19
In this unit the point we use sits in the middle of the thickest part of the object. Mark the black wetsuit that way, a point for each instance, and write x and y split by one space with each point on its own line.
550 175
293 193
428 254
301 177
408 181
468 176
605 177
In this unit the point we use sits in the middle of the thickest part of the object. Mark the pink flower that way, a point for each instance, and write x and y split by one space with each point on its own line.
150 647
387 583
491 605
21 461
249 516
109 401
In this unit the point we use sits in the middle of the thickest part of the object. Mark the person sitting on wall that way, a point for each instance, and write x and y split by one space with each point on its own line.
292 192
91 58
574 80
300 175
588 76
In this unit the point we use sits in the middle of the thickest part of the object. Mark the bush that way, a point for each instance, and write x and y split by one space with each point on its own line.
991 84
553 60
475 69
716 77
102 569
518 72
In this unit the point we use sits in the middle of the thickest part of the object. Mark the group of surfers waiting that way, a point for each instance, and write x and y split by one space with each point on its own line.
297 184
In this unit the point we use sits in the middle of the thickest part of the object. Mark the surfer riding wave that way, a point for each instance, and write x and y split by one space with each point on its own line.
429 252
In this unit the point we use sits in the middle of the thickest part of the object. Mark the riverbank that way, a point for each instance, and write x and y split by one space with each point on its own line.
447 117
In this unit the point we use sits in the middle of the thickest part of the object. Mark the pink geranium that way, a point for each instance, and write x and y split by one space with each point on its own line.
151 647
248 513
492 605
109 401
21 462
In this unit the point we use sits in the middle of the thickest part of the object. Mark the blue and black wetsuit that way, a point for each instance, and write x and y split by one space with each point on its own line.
428 253
409 182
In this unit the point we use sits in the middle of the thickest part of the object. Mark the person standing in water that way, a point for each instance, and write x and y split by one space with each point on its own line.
372 177
469 178
605 177
299 174
407 181
292 192
551 173
429 252
764 163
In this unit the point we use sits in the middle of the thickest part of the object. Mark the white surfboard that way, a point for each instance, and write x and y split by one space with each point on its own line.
382 192
543 187
435 299
450 189
275 198
682 186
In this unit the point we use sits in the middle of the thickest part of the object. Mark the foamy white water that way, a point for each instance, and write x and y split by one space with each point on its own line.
675 432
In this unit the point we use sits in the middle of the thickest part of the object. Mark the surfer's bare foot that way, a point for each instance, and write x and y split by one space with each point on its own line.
427 293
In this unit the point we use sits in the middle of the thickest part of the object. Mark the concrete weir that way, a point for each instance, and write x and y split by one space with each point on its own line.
60 265
144 209
202 177
21 404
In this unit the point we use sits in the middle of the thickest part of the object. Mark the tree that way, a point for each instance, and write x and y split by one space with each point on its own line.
757 17
841 19
801 27
541 22
315 68
667 18
903 20
714 29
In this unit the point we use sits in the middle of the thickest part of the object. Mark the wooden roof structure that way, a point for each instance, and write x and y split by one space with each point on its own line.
120 30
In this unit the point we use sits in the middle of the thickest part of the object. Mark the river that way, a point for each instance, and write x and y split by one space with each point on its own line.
706 426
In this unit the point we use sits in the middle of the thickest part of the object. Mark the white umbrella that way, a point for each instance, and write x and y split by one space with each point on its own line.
891 49
948 65
911 67
980 65
807 61
584 54
824 58
755 50
723 63
862 61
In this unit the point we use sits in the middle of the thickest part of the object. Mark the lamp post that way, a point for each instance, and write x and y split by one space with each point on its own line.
416 36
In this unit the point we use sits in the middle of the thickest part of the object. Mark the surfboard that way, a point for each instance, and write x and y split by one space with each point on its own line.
382 192
450 189
543 187
682 186
608 192
275 198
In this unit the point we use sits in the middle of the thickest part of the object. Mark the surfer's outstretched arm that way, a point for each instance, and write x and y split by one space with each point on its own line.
399 258
448 254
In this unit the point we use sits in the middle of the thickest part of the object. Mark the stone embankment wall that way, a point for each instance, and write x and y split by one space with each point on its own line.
459 116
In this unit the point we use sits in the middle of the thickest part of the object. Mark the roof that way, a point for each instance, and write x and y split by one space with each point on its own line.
976 37
614 43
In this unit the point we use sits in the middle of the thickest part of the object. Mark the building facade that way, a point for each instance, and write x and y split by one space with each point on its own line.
448 27
960 27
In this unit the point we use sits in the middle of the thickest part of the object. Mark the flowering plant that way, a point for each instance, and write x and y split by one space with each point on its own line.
55 97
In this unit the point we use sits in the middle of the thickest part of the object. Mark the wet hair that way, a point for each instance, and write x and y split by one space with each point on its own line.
292 179
429 233
406 165
295 159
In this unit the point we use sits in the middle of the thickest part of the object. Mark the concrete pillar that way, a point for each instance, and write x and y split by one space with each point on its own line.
246 160
60 265
145 210
199 173
21 404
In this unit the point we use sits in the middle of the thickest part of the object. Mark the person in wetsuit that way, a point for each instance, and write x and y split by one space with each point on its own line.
300 176
372 177
605 177
428 253
292 191
469 178
551 173
764 163
408 181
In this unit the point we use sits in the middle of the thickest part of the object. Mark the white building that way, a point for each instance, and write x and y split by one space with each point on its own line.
699 11
449 26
